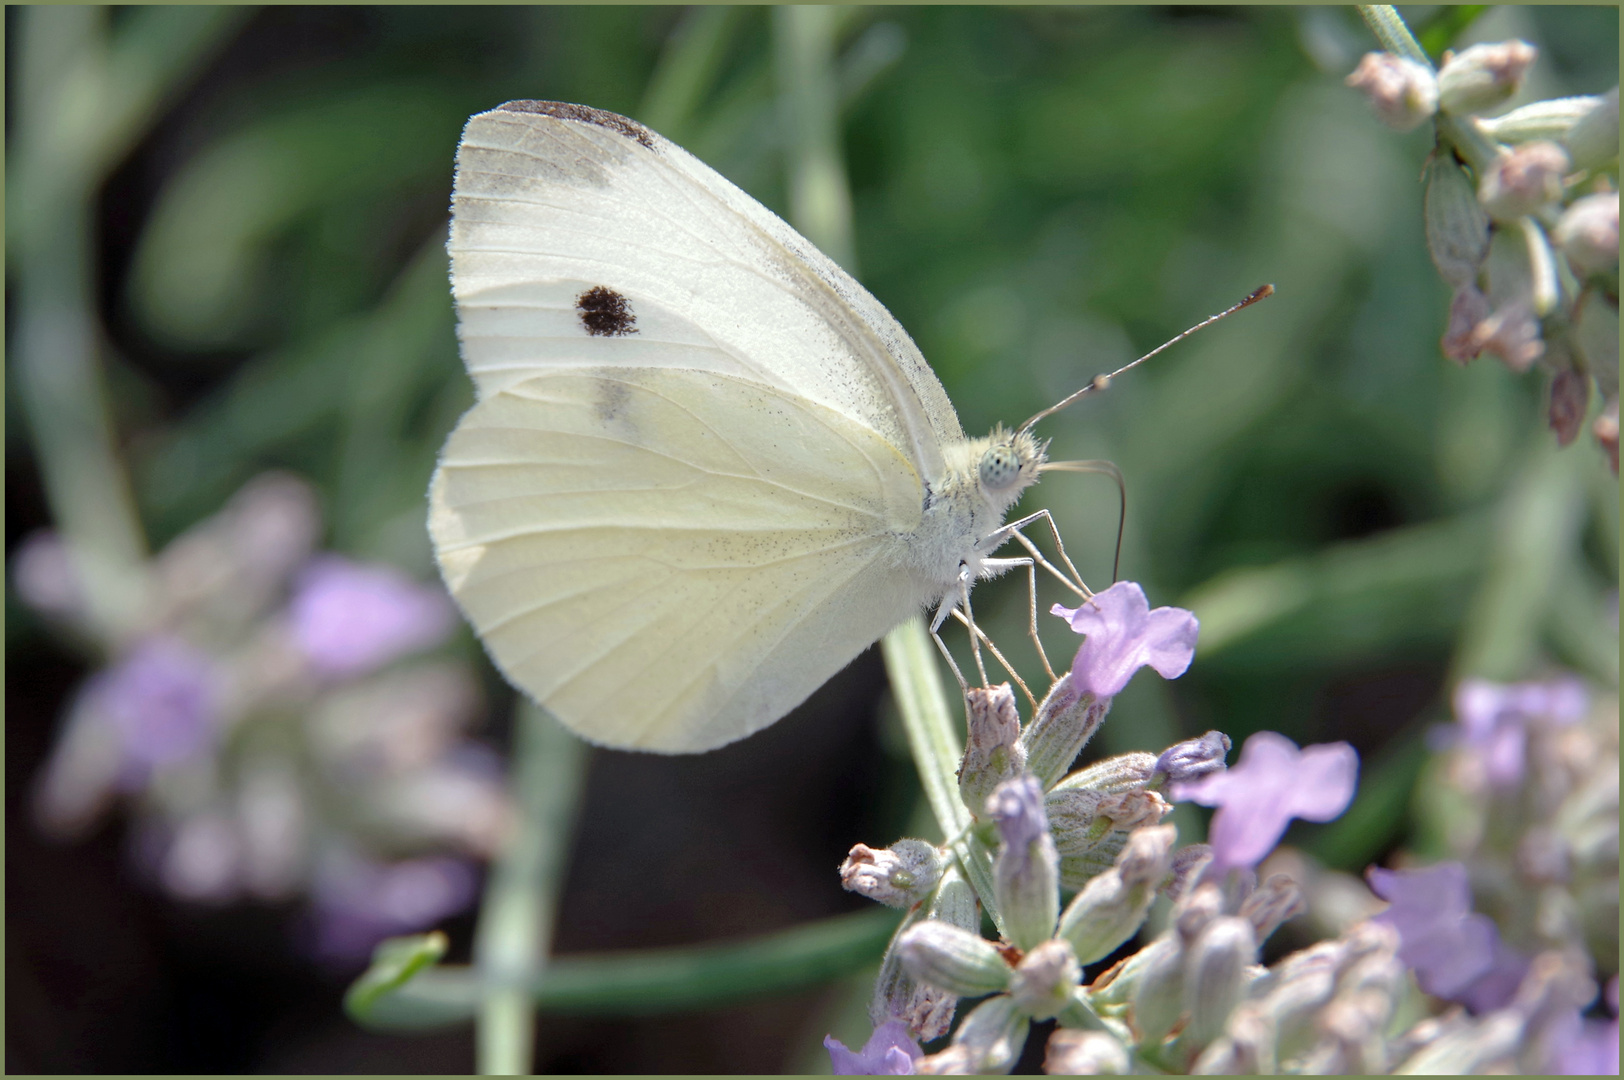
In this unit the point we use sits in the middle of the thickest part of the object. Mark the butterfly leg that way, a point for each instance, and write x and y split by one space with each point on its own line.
992 648
999 566
969 619
1012 531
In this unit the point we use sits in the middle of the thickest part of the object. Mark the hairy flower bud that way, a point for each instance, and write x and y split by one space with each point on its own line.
1044 979
1484 75
1569 398
1158 990
994 752
1111 908
1467 311
1185 870
1592 142
1026 871
1279 899
1216 974
1075 1052
1403 92
1246 1047
1066 719
900 876
1550 120
1457 227
1524 181
989 1041
1080 820
1125 772
955 959
1191 759
1588 233
926 1009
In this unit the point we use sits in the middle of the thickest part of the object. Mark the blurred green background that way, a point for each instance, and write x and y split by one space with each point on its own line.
1039 195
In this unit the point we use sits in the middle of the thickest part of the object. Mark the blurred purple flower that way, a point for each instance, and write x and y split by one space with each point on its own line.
1272 783
1594 1051
1493 720
890 1051
1456 953
1017 808
1192 759
350 618
1123 635
359 902
162 699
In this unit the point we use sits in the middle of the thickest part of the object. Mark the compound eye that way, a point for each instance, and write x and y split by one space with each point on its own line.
999 467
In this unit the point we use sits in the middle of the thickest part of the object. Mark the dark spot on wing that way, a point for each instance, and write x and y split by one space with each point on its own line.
605 313
631 129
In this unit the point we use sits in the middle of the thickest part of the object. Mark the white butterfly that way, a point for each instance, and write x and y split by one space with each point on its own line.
706 468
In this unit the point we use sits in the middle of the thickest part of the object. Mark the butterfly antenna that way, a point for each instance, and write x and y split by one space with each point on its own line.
1100 382
1104 468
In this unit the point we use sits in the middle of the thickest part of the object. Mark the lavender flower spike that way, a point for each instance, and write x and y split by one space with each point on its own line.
1123 635
889 1052
351 618
1272 783
163 700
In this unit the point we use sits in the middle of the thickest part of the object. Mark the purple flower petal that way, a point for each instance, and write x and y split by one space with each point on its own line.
1456 953
350 618
1123 635
358 902
890 1051
1272 783
1494 718
163 700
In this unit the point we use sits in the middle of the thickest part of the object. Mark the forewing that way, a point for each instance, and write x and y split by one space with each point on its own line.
553 201
669 559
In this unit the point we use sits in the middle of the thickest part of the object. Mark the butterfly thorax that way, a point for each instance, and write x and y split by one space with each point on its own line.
965 505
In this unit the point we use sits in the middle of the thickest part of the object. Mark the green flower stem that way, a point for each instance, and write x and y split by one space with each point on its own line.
654 981
910 661
82 101
516 918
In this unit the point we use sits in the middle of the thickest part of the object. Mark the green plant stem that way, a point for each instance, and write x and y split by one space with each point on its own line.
516 917
809 100
82 101
654 981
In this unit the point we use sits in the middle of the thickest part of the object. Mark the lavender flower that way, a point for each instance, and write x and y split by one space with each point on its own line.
163 699
1449 946
1123 635
1594 1050
350 618
359 902
1272 783
889 1052
1493 720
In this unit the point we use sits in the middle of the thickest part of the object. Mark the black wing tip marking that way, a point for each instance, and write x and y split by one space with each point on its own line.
606 313
585 114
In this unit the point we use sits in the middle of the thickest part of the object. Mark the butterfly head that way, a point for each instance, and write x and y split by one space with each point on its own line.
1008 465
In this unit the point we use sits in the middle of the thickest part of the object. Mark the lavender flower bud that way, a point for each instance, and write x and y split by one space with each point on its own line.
1483 75
989 1041
1074 1052
1188 864
1112 907
1081 820
900 876
1216 975
926 1009
994 752
955 959
1569 398
1026 871
1192 758
1125 772
1468 309
1549 120
1588 233
1044 979
1158 992
1278 900
1196 909
1605 429
1245 1049
1062 726
1456 226
1523 182
1403 92
1592 142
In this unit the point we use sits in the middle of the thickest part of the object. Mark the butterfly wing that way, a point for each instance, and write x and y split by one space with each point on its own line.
671 559
554 200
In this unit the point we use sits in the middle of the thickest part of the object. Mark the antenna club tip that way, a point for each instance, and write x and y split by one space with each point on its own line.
1260 293
1099 382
